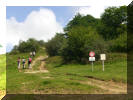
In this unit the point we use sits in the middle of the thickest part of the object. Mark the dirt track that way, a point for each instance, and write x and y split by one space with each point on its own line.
42 68
109 86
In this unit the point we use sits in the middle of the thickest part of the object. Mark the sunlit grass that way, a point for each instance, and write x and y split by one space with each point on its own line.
2 75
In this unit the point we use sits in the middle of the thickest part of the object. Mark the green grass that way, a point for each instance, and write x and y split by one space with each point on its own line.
2 72
115 70
2 75
110 73
63 79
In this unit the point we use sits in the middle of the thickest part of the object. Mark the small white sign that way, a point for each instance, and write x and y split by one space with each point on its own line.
91 58
103 56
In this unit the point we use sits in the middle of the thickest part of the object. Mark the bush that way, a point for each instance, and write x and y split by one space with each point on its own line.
119 44
26 46
53 46
15 50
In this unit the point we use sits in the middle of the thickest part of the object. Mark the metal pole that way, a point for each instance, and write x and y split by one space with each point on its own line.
103 65
92 66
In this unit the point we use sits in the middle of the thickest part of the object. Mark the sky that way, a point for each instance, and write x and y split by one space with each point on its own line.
42 23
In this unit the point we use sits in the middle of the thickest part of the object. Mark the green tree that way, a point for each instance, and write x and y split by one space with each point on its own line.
53 46
80 41
80 20
112 19
119 44
26 46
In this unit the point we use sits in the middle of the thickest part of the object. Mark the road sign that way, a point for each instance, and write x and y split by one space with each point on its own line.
103 57
92 54
91 58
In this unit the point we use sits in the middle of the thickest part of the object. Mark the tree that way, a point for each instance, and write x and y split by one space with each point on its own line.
119 44
80 20
81 40
41 43
53 46
112 19
26 46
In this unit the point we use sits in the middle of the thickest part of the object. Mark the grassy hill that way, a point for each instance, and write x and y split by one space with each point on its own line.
2 75
51 76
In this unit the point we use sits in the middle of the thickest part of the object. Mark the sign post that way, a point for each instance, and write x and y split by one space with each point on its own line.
92 66
103 57
103 65
92 58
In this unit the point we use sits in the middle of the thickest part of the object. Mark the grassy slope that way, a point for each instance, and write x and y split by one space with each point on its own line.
115 69
62 78
19 82
2 75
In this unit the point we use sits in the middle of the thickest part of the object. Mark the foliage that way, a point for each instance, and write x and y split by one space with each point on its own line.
119 44
80 41
113 19
27 46
53 46
15 50
41 43
80 20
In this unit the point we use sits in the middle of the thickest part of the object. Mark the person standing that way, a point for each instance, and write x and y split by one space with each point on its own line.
19 60
34 53
29 62
23 62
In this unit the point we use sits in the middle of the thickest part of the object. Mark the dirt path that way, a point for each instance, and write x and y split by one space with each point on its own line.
42 68
109 86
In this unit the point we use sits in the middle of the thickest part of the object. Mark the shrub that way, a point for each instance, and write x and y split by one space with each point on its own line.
119 44
53 46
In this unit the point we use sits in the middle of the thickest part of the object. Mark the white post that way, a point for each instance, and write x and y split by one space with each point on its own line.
92 66
103 65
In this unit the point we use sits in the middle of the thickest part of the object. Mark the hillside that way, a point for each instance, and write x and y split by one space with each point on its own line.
51 76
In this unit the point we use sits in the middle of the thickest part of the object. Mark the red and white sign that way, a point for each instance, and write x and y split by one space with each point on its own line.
92 54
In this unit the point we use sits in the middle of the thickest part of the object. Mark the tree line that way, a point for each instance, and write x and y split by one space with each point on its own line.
28 46
87 33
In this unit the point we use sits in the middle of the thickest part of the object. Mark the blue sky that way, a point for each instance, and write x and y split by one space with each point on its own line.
63 13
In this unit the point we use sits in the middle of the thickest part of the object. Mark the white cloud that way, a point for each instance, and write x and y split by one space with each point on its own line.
96 8
40 24
96 12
